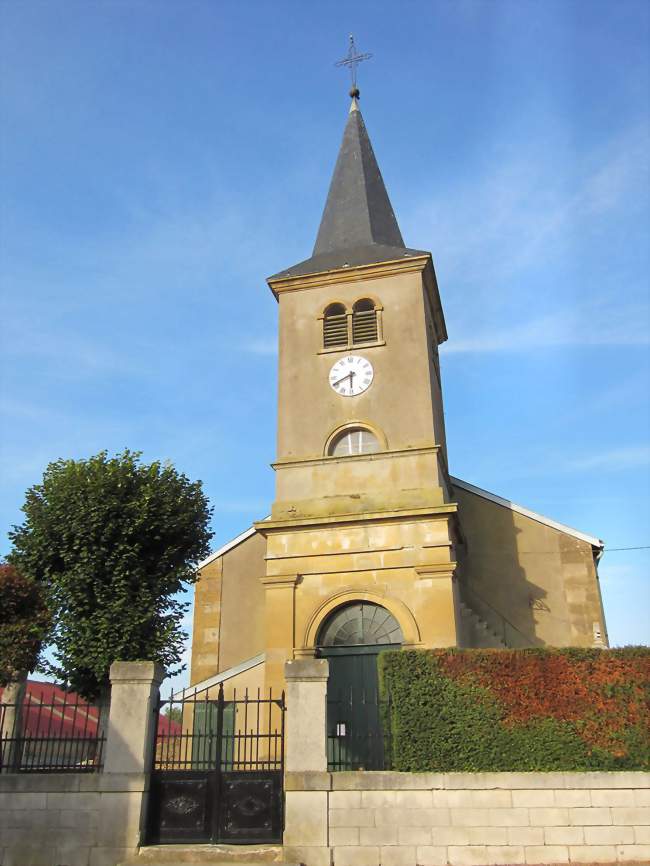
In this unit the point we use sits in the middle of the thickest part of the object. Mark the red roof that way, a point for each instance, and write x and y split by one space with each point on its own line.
51 711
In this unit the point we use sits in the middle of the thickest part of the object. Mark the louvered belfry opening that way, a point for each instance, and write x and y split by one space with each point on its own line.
335 326
364 322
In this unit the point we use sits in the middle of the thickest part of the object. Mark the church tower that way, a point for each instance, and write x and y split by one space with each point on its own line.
371 543
363 509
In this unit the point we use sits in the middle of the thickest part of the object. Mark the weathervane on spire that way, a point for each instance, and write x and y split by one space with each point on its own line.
352 60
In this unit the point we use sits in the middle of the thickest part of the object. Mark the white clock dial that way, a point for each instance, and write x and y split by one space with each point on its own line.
351 375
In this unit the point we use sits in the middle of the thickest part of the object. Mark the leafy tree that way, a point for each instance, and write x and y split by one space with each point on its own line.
174 714
113 541
25 621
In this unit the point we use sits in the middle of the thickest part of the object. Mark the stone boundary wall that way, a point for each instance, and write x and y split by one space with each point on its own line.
467 819
70 819
88 819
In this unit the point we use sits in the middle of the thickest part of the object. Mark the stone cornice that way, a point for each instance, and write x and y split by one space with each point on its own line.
377 455
437 569
267 527
379 270
352 274
280 581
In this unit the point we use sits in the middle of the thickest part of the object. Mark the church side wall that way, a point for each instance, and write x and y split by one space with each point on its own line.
242 602
229 610
207 621
540 579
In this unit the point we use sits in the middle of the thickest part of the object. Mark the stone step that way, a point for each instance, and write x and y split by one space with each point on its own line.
485 638
208 855
214 862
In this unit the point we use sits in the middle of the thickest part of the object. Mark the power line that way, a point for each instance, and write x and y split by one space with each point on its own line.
613 549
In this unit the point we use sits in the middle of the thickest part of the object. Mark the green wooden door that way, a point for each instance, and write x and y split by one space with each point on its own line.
351 639
354 731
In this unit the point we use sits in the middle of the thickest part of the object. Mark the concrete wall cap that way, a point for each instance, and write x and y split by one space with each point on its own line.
309 781
137 672
312 670
383 780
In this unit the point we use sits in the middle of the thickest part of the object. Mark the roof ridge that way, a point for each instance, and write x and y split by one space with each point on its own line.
534 515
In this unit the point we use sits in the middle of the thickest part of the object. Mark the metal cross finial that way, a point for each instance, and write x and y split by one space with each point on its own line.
352 60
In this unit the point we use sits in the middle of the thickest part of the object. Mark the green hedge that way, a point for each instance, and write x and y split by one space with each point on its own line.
538 709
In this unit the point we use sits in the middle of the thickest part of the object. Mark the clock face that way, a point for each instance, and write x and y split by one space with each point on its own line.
351 375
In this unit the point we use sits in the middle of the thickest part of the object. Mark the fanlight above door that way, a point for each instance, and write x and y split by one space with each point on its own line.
361 623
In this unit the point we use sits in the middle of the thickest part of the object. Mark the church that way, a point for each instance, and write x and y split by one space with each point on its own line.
371 543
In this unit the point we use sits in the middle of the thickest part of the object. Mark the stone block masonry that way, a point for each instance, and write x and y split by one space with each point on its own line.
70 819
476 819
88 819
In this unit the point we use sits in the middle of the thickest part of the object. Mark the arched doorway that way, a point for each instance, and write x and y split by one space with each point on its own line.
350 639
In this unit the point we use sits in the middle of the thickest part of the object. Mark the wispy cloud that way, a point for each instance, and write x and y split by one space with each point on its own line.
633 457
497 236
262 346
588 326
509 216
70 355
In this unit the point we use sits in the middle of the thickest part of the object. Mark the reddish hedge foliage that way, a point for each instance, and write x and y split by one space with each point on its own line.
534 709
603 692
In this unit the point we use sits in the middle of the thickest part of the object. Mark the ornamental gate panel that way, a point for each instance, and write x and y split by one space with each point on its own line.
218 769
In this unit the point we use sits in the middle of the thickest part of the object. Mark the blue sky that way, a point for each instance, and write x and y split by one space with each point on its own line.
159 159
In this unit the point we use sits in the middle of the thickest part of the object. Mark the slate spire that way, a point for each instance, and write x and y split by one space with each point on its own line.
358 211
358 226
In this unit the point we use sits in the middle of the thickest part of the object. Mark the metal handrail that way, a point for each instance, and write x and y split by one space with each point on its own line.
504 620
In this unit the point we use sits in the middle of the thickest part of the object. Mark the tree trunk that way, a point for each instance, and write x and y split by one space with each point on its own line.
11 725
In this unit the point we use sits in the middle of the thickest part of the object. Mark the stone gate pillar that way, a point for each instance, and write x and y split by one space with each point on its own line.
132 718
306 833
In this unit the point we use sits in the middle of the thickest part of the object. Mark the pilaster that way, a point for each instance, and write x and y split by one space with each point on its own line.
280 626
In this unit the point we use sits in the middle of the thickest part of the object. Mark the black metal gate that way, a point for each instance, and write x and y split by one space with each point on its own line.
218 768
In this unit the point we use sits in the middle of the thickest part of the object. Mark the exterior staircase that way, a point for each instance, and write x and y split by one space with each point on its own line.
209 855
476 632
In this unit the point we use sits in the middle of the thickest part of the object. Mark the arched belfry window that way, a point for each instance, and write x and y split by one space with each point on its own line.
354 440
335 326
360 326
360 623
364 322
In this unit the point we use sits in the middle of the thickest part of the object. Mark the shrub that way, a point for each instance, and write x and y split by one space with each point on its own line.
537 709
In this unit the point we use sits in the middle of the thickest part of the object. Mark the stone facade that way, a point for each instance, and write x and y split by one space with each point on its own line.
523 580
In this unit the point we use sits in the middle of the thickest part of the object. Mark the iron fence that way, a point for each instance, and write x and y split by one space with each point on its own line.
62 733
207 730
358 730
